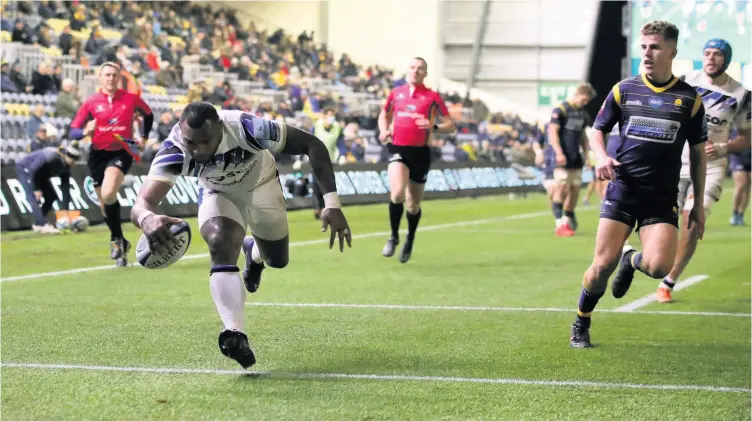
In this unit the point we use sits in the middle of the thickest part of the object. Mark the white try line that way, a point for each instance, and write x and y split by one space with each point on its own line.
378 377
294 244
642 302
572 310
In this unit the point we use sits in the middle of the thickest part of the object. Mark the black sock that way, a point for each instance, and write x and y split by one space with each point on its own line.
587 303
412 223
112 216
668 283
558 209
395 216
570 215
635 258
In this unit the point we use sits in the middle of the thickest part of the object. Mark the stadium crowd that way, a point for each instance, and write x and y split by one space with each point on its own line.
155 40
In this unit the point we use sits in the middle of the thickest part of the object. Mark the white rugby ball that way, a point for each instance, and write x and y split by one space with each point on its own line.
153 260
80 224
62 224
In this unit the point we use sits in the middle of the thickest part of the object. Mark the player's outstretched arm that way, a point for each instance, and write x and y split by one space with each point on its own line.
156 227
300 142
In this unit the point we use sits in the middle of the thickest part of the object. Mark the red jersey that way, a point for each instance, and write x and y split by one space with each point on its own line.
114 116
406 108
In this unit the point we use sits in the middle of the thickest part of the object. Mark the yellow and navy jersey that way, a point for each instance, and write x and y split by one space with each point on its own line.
572 122
655 121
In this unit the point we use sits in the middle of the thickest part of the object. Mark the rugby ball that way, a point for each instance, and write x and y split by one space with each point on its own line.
79 224
62 224
154 260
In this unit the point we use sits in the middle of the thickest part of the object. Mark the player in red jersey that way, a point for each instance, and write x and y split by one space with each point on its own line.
415 112
108 117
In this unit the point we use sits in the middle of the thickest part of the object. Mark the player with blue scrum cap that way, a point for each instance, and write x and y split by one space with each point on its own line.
230 153
657 114
727 105
35 171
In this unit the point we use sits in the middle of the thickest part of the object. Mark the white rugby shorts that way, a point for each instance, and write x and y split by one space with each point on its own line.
263 210
713 190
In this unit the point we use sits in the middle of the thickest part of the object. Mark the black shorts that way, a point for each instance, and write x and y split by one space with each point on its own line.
642 215
417 159
100 160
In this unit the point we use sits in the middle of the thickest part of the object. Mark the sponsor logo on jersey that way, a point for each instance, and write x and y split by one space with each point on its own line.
652 129
411 107
633 102
678 102
655 102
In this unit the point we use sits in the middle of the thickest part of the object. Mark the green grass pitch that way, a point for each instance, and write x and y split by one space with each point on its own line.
474 327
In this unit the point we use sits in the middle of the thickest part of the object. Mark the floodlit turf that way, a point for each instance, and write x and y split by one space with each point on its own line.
474 327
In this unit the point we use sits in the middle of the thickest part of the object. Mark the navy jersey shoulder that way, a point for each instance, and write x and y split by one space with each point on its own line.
655 122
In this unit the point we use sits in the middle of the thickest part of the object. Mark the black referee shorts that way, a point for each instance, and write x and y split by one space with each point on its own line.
417 159
99 161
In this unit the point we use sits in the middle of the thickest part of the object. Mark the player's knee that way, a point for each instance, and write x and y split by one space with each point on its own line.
412 206
277 262
397 197
109 197
222 245
603 267
657 267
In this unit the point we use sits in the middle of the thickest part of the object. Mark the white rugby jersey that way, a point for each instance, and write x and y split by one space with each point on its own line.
725 106
242 162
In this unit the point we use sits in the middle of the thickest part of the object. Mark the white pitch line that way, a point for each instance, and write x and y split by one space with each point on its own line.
485 308
642 302
294 244
378 377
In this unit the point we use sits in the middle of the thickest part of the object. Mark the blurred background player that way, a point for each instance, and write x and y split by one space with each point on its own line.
412 111
644 173
727 104
546 161
110 114
35 171
330 132
231 152
567 137
740 164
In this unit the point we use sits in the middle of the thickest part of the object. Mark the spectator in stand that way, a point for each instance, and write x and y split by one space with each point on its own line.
22 33
6 83
16 76
79 18
65 42
68 102
43 138
42 81
35 121
57 77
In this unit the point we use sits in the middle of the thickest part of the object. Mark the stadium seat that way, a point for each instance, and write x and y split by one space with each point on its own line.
373 153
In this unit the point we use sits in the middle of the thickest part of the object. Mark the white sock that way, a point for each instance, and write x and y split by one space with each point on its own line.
559 222
228 293
256 253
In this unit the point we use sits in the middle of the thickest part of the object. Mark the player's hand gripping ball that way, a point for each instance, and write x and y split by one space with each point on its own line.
164 241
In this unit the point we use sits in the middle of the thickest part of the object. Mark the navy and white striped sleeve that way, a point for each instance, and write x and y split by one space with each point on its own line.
262 134
168 163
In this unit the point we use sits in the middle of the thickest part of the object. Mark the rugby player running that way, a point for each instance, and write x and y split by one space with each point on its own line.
567 137
657 113
413 109
110 114
726 103
230 153
741 166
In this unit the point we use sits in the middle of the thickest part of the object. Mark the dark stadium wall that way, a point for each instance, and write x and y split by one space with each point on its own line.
608 50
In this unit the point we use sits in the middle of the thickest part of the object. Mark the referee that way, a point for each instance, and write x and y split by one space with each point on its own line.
413 112
108 117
